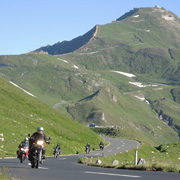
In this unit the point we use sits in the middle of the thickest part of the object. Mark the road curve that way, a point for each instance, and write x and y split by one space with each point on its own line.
67 168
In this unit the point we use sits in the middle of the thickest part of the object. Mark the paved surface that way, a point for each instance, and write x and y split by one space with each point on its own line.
67 168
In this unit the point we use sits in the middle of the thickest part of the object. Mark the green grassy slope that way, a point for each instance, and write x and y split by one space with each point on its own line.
45 76
62 86
134 118
21 114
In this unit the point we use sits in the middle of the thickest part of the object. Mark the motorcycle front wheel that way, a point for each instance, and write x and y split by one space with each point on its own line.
55 155
37 163
40 157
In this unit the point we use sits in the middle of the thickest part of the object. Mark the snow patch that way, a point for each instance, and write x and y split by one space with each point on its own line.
63 60
142 99
141 85
136 16
125 74
137 84
22 89
76 67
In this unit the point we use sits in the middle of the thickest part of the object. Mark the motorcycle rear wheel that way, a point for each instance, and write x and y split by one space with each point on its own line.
33 165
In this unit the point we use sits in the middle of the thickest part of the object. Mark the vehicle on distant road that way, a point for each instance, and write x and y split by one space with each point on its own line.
92 125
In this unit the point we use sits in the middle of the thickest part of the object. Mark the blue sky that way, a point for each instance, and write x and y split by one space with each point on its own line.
29 24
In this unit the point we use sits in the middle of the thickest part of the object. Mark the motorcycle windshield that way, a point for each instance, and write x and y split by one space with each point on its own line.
25 145
39 137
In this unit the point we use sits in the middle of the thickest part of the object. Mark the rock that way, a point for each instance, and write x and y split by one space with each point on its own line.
115 162
141 161
98 162
2 139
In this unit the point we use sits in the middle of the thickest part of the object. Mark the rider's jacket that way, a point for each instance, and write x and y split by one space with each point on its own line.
36 133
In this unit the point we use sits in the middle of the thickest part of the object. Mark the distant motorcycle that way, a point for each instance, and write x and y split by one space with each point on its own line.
87 149
38 145
101 146
57 152
23 153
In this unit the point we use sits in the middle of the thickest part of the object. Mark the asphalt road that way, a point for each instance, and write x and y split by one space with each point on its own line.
67 168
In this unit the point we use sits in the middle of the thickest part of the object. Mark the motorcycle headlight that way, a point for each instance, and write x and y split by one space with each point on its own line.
40 143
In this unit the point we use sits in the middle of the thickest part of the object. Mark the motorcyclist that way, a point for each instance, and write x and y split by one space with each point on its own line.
24 143
88 146
39 130
57 147
101 144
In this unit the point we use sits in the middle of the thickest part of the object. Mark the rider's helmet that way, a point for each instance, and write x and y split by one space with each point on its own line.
26 139
40 129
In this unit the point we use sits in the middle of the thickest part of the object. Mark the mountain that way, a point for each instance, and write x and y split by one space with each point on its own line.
21 114
145 41
122 74
68 46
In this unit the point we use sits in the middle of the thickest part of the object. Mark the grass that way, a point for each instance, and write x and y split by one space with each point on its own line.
21 114
55 82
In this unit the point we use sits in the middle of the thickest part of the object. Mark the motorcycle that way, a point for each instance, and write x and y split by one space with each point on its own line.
38 144
87 150
101 146
23 153
57 152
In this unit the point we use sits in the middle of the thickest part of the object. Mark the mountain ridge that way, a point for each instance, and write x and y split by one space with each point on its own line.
68 46
64 47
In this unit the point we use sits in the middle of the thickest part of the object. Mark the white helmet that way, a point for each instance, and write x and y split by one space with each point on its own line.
40 129
26 139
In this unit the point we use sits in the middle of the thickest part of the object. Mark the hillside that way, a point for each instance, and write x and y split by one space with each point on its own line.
21 114
124 74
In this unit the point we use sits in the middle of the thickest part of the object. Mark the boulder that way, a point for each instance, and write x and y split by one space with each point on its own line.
141 161
2 139
115 162
98 162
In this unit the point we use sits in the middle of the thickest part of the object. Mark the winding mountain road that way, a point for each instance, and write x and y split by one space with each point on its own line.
67 168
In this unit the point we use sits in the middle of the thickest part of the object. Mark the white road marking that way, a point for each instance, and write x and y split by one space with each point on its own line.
29 164
96 154
43 168
109 174
118 148
109 150
62 158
